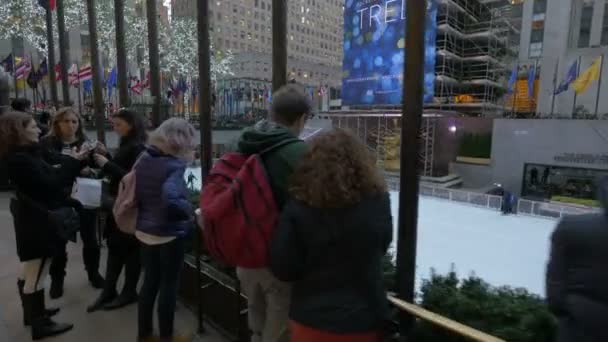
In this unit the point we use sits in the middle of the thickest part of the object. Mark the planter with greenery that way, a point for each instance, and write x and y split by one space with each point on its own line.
478 146
576 201
505 312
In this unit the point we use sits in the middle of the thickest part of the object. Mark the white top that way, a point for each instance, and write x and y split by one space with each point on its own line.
153 240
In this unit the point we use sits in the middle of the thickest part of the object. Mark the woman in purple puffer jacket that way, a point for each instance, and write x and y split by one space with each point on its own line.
164 219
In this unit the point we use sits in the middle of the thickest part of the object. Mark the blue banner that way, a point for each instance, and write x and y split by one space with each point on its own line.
374 52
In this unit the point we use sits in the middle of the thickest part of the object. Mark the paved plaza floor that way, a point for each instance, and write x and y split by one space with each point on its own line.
115 326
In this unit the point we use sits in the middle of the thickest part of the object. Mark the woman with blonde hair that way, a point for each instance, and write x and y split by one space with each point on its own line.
330 242
38 190
164 219
66 134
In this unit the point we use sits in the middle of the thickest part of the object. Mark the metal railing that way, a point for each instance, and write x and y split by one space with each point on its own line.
442 322
466 197
551 210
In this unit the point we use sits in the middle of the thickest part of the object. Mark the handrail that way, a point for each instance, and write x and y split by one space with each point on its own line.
443 322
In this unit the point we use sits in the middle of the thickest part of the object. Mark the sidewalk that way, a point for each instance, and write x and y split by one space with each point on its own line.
115 326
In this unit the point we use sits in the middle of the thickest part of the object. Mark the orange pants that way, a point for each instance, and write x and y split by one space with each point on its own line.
301 333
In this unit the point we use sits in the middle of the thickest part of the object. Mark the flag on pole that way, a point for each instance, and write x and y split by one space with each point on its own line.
531 79
8 63
111 81
48 4
23 68
512 79
43 69
58 75
87 86
568 79
73 75
136 86
584 80
85 73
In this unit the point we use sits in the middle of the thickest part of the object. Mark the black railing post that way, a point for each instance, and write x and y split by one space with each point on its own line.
51 56
204 78
279 44
413 93
154 56
64 48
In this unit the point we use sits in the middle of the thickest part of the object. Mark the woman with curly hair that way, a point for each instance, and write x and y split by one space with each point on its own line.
330 242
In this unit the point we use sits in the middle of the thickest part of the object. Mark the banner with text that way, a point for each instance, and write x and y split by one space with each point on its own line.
374 52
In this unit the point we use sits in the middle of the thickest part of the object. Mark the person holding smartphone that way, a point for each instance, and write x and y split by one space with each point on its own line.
38 187
66 136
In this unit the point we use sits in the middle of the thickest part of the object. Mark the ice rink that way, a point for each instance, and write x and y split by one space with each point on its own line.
503 250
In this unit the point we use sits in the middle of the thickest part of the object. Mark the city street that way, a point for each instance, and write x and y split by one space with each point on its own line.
118 326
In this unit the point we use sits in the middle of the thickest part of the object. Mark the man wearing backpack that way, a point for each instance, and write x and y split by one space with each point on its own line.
268 297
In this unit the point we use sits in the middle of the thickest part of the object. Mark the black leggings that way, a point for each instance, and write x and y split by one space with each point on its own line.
123 251
90 248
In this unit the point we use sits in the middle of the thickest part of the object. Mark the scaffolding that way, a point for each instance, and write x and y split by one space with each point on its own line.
474 52
381 132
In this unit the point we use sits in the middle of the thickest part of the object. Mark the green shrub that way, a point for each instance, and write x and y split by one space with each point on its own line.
475 146
578 201
505 312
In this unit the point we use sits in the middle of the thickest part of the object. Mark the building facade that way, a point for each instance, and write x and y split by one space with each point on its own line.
315 36
554 35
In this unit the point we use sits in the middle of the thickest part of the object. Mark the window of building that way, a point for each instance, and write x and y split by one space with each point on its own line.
536 50
263 5
586 18
605 26
257 3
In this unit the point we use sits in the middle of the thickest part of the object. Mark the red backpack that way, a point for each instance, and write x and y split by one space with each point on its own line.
239 209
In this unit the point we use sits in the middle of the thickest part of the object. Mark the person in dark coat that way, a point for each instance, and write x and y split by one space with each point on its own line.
164 219
330 242
577 274
123 249
67 134
39 188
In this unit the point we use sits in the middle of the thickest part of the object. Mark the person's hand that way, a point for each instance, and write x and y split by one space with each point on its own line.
101 148
100 160
80 155
86 171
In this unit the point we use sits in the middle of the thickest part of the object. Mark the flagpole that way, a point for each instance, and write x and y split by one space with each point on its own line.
515 91
534 99
79 91
554 87
599 87
32 70
578 72
15 70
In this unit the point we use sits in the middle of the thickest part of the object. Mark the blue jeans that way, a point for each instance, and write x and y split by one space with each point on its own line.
162 264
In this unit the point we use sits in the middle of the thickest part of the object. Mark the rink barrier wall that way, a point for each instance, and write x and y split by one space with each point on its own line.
493 202
467 197
551 210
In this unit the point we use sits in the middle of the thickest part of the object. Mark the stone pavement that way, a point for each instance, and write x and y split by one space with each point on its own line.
115 326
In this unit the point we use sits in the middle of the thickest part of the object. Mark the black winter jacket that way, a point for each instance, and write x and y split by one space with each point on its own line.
334 259
122 162
577 275
42 184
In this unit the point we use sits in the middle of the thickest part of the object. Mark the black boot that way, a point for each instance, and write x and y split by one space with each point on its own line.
96 280
42 325
56 287
91 252
128 295
106 297
50 312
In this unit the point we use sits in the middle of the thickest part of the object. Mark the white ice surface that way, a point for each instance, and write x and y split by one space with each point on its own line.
503 250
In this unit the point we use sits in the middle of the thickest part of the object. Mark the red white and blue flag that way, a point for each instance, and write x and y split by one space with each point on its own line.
23 68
